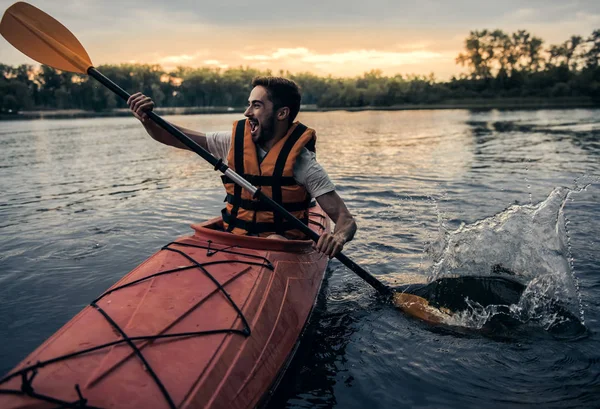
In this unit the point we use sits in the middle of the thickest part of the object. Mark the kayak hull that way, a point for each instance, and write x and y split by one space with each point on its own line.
209 321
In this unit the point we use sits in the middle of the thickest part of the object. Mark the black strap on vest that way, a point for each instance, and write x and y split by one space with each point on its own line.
239 169
257 180
256 227
259 206
278 173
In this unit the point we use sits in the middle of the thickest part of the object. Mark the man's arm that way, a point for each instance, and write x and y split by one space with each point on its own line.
140 104
345 226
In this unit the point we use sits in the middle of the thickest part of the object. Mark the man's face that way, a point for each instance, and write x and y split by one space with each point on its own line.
261 115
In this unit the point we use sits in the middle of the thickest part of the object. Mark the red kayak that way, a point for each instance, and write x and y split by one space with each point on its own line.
209 321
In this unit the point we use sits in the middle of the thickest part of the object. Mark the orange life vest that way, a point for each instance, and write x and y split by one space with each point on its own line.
274 176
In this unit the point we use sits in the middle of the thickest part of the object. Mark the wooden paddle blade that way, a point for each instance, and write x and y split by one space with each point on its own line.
44 39
419 307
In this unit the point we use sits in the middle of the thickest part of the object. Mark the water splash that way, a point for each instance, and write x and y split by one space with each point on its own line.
530 242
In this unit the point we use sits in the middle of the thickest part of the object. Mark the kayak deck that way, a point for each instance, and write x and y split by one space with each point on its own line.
209 321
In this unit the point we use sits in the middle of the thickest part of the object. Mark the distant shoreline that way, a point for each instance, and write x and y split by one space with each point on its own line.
472 104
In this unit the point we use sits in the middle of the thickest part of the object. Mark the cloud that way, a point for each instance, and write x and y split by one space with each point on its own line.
216 63
172 61
353 62
279 54
375 57
587 18
522 14
415 46
290 52
177 59
258 57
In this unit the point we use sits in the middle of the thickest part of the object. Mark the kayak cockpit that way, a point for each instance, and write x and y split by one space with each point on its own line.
213 230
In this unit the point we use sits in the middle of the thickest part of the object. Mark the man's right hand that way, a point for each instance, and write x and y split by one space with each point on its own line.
139 105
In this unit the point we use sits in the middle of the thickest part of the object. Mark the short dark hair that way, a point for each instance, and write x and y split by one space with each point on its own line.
282 93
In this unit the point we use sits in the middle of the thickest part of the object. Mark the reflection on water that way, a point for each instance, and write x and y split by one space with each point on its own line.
84 201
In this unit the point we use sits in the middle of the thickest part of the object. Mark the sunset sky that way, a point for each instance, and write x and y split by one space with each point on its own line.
342 38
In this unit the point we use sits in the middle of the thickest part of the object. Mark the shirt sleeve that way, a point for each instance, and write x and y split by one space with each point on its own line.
218 144
310 174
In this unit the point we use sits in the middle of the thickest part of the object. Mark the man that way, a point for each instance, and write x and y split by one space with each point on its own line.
274 149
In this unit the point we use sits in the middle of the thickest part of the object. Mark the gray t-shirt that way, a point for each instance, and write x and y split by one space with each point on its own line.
307 170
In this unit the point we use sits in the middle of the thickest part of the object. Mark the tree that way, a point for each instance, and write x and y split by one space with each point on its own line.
503 51
478 54
557 55
534 50
526 51
592 56
571 51
490 52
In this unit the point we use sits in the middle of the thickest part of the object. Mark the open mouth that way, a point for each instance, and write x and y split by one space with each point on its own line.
253 126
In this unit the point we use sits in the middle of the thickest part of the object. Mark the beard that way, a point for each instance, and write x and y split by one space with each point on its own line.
267 130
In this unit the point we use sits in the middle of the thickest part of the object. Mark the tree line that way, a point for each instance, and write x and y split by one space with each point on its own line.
515 65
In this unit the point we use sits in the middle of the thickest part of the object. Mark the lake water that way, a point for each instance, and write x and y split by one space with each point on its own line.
435 194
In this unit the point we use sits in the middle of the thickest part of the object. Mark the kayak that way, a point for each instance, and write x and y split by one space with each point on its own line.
210 321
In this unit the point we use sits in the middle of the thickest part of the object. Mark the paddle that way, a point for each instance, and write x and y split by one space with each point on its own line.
41 37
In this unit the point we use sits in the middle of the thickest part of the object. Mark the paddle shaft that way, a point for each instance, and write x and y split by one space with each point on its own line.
219 165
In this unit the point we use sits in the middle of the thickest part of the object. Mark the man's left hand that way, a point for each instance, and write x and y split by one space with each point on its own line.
330 244
345 226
